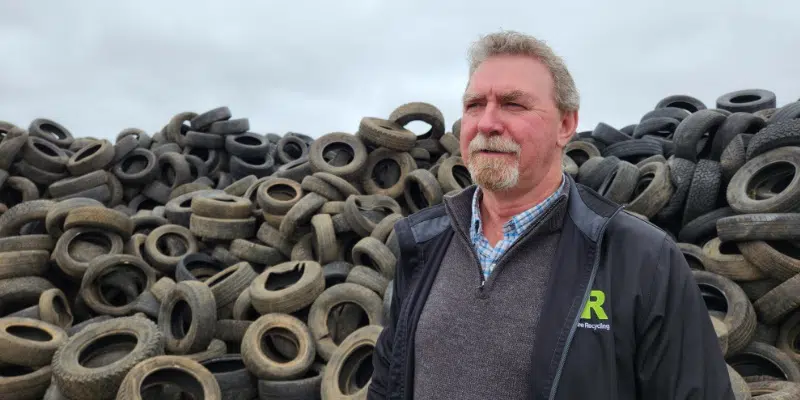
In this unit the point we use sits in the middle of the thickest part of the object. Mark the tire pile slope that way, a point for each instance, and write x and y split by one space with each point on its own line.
205 258
725 184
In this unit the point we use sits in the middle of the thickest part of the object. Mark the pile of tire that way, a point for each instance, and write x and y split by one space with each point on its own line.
206 259
725 184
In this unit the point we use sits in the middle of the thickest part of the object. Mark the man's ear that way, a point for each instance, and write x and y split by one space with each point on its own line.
569 122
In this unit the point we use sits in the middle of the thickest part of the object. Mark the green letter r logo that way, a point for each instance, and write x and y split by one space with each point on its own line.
595 303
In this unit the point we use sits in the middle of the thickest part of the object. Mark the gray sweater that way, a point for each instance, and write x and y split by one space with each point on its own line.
476 343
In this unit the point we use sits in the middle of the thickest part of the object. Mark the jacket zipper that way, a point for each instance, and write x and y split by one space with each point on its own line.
595 264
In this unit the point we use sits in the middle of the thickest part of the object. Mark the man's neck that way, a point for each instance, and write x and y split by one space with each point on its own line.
499 207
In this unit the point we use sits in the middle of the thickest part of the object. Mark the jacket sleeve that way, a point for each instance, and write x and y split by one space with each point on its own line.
678 355
381 356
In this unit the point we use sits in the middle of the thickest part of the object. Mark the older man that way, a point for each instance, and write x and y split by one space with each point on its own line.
528 285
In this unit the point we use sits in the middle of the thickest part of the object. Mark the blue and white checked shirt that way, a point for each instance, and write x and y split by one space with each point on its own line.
512 230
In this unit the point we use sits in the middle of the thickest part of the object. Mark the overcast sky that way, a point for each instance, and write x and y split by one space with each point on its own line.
316 67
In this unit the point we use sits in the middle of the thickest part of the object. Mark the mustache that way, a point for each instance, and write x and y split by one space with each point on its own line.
493 143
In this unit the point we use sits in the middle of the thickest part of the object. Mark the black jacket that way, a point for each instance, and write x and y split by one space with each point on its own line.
623 317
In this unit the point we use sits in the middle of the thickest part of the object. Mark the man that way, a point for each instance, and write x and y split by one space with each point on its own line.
527 285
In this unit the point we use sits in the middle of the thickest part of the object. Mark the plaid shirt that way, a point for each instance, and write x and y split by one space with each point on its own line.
512 230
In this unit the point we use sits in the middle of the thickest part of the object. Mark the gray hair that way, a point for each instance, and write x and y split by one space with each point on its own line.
516 43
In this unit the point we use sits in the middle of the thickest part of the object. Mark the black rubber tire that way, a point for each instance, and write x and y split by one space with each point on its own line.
313 184
246 145
751 175
631 149
681 172
221 205
260 166
306 387
762 359
745 227
262 362
734 156
580 151
595 177
785 113
376 179
44 155
187 318
688 134
148 379
421 190
54 222
22 214
255 253
773 390
95 156
228 283
653 190
10 147
685 102
29 342
419 111
735 124
747 100
204 120
327 149
196 261
726 259
178 210
51 131
391 135
608 134
205 140
704 227
79 382
336 272
369 278
134 271
658 126
346 188
703 191
779 134
174 169
223 229
323 238
235 381
291 148
287 287
301 213
323 307
453 175
145 171
740 317
165 262
341 379
230 126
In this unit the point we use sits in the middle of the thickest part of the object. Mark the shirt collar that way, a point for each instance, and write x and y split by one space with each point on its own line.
517 223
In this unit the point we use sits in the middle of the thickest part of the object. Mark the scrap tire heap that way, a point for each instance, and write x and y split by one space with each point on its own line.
205 258
208 259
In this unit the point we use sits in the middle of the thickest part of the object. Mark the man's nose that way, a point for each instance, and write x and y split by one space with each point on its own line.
489 121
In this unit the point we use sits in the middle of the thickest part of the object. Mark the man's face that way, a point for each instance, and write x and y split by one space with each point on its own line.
511 129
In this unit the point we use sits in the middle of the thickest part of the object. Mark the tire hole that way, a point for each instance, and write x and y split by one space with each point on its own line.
386 173
247 140
203 154
107 349
418 127
8 371
281 280
136 160
88 151
338 154
279 344
344 319
462 175
753 365
293 150
281 192
417 197
181 319
682 104
220 277
179 384
45 149
729 248
29 333
714 298
356 370
254 160
223 366
764 181
745 98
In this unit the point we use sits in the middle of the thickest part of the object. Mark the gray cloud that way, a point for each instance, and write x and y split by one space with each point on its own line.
316 67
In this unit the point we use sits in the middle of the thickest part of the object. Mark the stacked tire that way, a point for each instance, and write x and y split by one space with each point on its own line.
205 258
725 184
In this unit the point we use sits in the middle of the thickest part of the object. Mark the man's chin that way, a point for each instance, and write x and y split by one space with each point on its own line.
495 179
